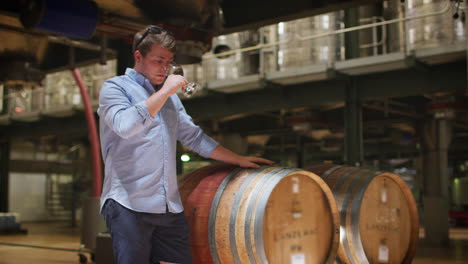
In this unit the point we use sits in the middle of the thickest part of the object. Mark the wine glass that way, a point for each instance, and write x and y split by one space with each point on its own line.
191 87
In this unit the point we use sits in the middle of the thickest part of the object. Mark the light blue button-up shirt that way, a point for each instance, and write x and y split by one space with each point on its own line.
139 151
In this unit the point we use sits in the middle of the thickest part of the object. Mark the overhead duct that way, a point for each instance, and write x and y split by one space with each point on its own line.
191 44
73 18
18 66
21 94
14 40
180 12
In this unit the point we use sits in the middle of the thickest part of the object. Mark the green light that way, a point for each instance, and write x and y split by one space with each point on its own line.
185 158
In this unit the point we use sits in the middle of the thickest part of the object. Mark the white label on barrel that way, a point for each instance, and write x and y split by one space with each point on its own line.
383 254
298 259
297 215
383 195
295 186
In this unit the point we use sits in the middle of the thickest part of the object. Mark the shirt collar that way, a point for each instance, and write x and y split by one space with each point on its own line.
140 79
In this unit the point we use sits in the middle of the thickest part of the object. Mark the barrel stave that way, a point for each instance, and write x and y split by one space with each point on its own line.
241 218
223 216
197 193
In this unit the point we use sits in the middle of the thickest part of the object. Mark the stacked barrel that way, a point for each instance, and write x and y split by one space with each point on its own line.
378 215
266 215
325 214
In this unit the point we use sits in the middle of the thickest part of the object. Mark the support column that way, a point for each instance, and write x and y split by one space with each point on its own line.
299 151
4 173
352 43
353 108
353 126
3 100
436 140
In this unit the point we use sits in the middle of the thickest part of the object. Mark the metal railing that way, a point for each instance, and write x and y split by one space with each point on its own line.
375 44
332 33
377 25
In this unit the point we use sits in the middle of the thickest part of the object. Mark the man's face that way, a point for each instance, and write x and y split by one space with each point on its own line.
155 64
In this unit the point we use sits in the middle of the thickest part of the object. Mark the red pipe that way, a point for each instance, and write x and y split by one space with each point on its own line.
93 135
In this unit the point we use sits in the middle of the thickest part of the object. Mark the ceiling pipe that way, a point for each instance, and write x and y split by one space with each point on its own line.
59 39
72 18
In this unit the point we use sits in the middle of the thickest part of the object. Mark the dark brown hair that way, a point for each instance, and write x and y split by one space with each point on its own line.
162 37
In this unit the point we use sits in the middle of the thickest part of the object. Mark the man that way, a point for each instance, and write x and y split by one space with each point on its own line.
141 118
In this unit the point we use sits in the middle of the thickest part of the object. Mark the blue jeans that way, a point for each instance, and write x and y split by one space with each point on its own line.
140 238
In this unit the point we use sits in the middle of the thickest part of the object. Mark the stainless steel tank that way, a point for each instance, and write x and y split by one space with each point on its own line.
428 32
433 31
235 65
61 89
194 73
298 47
37 98
95 75
24 98
395 32
19 99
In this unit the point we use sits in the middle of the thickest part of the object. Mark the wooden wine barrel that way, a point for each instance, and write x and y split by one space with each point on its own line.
378 215
266 215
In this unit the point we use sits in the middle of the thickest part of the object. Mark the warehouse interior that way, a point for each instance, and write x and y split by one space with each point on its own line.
380 85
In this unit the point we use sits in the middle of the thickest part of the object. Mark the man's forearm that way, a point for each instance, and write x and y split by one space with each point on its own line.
155 102
222 154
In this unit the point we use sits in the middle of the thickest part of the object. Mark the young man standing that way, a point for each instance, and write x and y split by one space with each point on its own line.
141 119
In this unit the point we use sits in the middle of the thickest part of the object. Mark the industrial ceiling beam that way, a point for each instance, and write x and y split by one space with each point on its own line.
246 14
69 128
44 166
267 99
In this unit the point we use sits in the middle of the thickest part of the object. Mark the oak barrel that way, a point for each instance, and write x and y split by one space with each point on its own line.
265 215
378 215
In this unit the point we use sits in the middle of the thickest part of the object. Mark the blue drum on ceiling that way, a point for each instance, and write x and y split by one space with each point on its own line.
71 18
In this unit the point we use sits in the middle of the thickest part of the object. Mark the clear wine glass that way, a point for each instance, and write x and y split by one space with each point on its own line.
191 87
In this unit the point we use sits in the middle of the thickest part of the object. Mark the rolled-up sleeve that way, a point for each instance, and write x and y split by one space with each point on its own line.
118 113
192 136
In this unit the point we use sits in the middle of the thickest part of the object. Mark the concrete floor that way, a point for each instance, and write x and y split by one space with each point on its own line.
56 235
60 235
456 253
